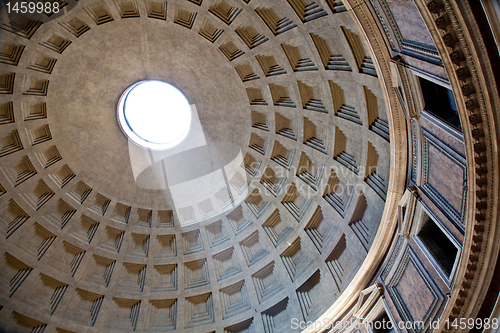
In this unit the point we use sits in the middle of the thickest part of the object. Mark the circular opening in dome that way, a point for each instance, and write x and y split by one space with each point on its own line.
154 114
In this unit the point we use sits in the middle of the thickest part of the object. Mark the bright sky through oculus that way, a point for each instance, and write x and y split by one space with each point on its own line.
154 114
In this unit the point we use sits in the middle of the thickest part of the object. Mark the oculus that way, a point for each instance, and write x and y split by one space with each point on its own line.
154 114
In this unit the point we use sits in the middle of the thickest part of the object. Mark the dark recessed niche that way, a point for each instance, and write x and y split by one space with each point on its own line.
383 324
438 244
440 102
